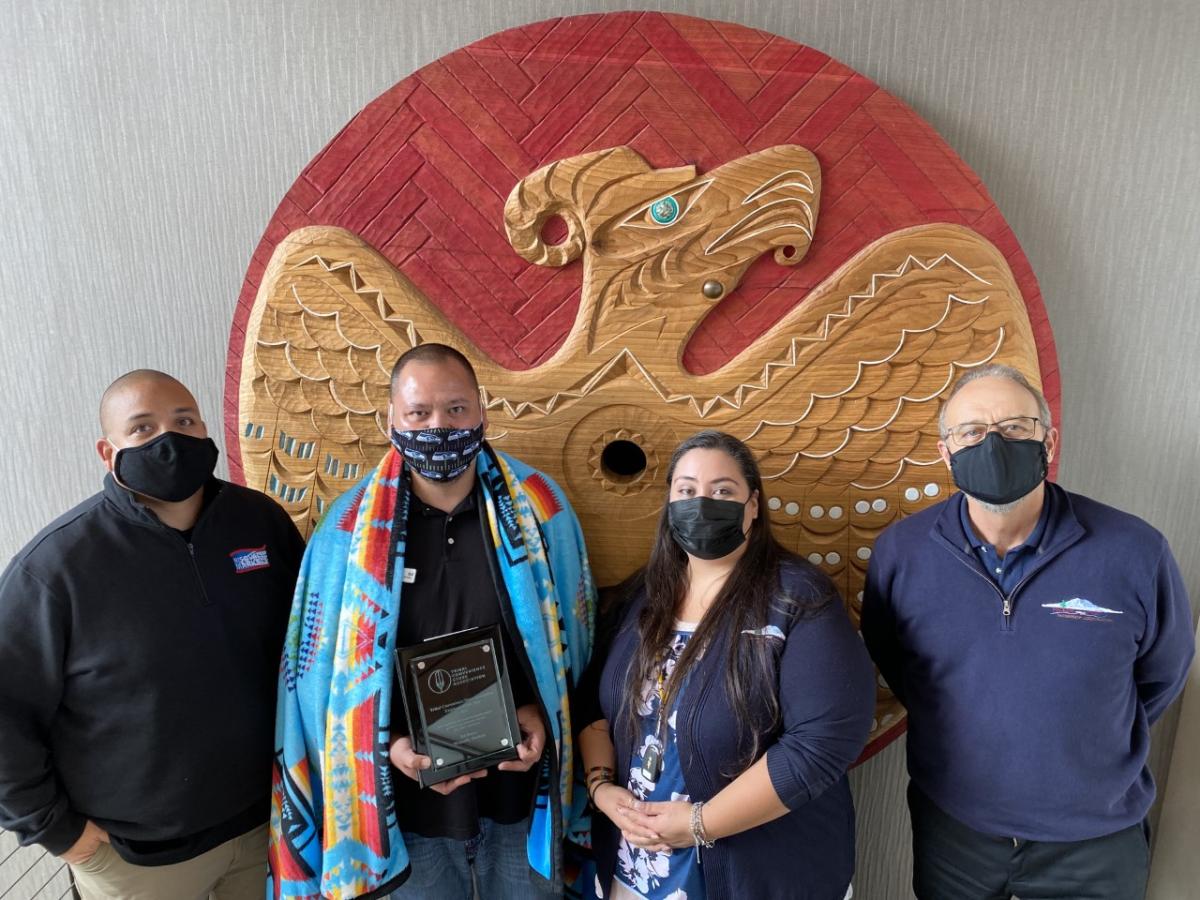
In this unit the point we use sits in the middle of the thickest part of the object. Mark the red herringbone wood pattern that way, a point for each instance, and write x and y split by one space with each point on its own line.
422 172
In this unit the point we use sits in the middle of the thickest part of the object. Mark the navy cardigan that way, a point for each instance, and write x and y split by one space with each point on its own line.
826 690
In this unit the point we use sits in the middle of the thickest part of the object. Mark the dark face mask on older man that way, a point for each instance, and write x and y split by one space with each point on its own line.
999 471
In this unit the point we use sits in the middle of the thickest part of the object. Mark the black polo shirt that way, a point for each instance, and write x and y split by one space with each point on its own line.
448 586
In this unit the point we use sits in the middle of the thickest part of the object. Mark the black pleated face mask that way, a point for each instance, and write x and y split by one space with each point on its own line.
707 528
999 471
171 467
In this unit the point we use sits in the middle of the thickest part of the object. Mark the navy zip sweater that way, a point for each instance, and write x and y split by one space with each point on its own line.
138 672
1033 724
826 690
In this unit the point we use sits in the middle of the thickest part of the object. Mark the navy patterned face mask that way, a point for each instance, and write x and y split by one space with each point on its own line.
439 454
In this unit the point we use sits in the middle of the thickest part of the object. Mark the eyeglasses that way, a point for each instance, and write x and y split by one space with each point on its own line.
1018 428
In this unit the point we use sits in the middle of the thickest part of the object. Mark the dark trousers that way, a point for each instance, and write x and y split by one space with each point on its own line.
954 862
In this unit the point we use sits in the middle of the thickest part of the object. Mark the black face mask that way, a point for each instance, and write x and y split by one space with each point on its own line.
997 471
439 454
171 467
707 528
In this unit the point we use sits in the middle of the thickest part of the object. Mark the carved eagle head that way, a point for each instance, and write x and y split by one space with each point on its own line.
666 237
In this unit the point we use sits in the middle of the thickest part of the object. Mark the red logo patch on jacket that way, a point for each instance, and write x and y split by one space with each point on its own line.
250 559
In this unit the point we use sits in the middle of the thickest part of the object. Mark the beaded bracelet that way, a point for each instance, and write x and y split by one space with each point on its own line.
699 836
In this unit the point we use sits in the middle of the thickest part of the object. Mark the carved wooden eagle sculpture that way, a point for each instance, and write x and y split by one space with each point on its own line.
839 399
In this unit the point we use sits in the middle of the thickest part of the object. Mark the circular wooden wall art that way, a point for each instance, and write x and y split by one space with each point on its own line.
638 225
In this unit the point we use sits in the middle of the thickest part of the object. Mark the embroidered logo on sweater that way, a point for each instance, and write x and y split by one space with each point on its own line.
250 559
1078 608
771 631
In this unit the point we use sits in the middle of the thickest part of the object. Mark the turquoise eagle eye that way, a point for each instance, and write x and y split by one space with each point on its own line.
665 211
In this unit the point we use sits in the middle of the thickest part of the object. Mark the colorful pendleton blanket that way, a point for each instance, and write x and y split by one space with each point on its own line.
333 825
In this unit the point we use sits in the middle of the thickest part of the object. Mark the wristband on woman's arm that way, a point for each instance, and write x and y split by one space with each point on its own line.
699 835
596 776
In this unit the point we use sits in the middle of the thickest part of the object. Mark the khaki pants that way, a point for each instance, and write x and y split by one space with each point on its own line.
236 870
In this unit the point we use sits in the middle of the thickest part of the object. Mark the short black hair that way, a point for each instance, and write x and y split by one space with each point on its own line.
432 353
130 378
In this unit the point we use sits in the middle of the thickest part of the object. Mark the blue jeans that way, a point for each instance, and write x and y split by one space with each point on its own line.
442 868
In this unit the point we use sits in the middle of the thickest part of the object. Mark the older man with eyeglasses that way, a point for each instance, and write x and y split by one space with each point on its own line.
1034 635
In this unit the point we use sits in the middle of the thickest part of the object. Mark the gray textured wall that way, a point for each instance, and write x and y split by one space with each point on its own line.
144 145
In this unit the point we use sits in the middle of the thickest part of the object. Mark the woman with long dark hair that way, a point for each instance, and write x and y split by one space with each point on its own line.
733 696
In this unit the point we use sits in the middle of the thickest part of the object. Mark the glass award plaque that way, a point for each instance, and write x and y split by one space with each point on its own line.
458 702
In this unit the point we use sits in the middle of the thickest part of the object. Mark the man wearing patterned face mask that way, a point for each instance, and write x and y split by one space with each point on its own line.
1034 636
139 641
446 534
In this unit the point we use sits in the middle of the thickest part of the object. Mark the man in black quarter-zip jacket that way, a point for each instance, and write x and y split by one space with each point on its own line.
140 636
